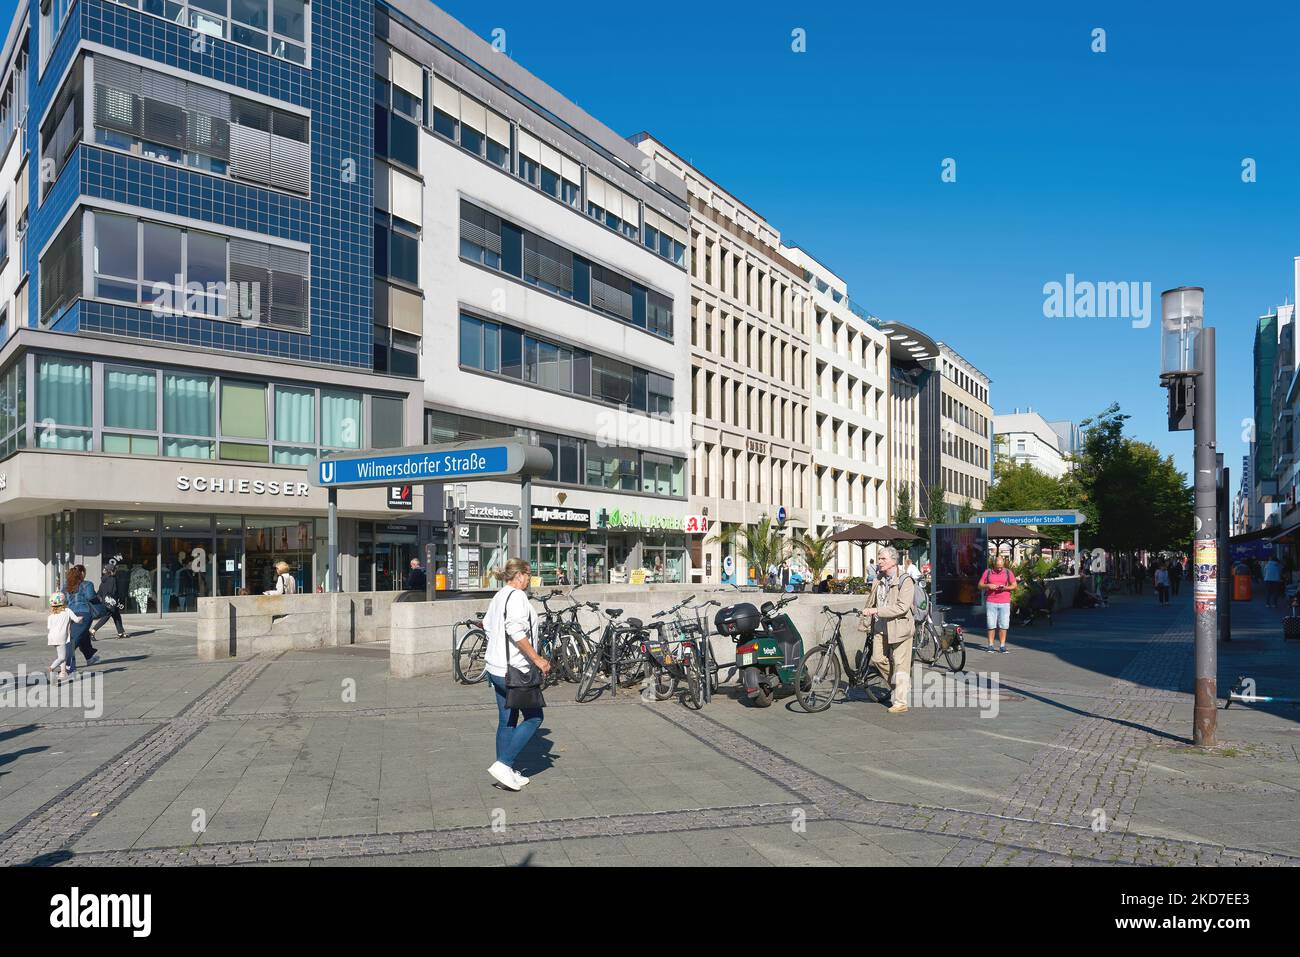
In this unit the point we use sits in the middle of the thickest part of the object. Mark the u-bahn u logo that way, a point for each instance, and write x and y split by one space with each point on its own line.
327 471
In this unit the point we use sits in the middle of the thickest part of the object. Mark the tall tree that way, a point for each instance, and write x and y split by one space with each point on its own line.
904 520
937 510
1133 497
1018 486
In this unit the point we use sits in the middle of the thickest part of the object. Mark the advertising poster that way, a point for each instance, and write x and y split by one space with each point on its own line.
1205 561
960 557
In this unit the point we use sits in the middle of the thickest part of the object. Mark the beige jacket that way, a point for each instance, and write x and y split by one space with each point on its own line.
894 616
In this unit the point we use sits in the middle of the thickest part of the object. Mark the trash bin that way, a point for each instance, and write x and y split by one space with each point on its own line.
1241 586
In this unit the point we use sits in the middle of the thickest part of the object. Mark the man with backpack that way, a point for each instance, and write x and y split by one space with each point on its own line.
997 583
891 605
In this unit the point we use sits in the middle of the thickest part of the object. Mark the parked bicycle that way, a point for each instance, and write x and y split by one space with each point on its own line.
617 655
678 651
817 680
469 650
560 638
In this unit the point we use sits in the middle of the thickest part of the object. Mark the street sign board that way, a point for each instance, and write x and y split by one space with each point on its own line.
433 463
1045 517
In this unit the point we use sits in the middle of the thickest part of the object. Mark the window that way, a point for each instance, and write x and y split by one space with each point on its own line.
397 248
492 347
668 239
63 404
608 204
340 419
61 272
551 171
295 425
480 235
131 400
277 27
165 118
548 265
189 415
243 416
13 408
487 239
386 427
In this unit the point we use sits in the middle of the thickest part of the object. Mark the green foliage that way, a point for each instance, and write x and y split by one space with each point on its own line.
850 586
904 520
965 512
1134 498
758 546
1018 486
937 510
818 553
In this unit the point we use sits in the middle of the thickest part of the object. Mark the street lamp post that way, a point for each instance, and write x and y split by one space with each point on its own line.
1187 370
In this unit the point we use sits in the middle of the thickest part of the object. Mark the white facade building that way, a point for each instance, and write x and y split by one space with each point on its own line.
555 307
1026 438
850 407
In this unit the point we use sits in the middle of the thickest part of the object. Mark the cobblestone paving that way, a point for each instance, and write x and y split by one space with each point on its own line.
1100 759
43 834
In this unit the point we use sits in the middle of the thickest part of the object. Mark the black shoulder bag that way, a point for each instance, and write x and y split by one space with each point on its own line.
523 689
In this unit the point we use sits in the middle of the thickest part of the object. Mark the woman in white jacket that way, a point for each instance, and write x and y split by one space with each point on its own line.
511 622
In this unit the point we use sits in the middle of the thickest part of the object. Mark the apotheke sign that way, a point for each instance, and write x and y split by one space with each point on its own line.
642 520
238 486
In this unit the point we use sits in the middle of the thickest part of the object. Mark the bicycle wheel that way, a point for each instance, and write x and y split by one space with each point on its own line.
471 656
818 679
955 655
924 645
588 679
661 684
694 698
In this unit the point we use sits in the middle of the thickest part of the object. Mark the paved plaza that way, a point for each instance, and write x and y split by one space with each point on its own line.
321 757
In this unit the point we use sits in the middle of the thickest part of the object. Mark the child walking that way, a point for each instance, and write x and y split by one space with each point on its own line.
60 637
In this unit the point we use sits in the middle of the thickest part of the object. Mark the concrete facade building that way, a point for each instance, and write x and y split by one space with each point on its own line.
751 322
1026 438
850 408
965 428
558 271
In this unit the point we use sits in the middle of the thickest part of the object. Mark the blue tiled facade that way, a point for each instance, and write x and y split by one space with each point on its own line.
335 221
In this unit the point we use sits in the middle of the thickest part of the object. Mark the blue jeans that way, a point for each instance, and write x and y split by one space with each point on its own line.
512 733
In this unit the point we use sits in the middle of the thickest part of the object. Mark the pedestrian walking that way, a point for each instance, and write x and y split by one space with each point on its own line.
1162 583
997 584
888 616
1139 576
111 600
511 623
81 599
60 636
1272 583
1175 575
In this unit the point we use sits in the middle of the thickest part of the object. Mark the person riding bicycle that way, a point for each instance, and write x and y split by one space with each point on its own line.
888 616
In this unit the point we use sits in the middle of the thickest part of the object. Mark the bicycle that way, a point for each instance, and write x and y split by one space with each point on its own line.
818 677
617 655
561 641
469 650
681 653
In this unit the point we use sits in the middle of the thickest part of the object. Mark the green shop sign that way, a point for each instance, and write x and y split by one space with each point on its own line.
640 520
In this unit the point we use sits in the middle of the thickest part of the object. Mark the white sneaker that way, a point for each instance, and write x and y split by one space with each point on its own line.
504 776
520 778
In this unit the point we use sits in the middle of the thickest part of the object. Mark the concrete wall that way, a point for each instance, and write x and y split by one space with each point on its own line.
259 624
422 631
23 565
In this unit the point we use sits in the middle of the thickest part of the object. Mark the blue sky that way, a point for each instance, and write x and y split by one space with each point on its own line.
1116 166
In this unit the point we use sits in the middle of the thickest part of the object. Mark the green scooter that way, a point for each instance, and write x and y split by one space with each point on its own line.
768 647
